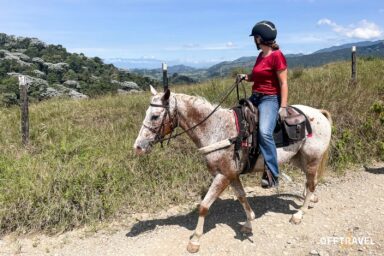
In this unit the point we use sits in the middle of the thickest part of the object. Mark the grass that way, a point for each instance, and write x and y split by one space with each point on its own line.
79 167
358 130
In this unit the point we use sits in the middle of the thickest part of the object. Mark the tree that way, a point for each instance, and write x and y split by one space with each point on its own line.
52 78
3 39
5 67
32 51
98 60
74 61
9 91
70 75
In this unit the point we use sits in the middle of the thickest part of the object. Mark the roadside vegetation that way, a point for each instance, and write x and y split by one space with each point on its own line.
80 168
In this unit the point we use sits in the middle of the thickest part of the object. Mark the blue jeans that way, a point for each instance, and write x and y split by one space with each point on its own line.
268 106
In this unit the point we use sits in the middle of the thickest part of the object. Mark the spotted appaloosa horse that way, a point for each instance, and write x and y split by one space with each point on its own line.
168 110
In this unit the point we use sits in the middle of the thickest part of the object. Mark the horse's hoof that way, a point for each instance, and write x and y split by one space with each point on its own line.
193 247
295 221
246 230
314 199
296 218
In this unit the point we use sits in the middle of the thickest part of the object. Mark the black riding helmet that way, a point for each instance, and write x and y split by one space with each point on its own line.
265 29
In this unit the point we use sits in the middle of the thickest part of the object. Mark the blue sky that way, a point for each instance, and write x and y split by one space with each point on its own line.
191 32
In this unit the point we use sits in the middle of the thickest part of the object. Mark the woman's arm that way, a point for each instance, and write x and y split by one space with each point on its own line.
283 77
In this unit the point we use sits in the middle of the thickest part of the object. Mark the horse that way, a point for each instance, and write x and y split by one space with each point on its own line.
169 110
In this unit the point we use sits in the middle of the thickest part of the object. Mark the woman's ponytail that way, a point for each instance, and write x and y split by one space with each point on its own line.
275 46
271 44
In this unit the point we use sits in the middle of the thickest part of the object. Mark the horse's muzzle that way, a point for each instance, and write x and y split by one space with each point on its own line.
139 151
142 148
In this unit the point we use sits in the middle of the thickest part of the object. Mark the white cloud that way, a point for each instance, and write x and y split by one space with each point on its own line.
326 22
230 45
191 46
363 30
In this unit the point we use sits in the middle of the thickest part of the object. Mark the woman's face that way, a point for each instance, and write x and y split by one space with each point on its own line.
257 41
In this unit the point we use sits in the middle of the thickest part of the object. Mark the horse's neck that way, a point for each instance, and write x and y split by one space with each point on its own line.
192 110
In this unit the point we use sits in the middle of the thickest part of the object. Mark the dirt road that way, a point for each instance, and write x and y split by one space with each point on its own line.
347 220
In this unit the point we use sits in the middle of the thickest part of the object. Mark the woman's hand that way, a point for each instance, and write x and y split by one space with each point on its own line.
283 113
241 77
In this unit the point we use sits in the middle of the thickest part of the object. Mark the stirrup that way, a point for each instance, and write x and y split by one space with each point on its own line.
268 180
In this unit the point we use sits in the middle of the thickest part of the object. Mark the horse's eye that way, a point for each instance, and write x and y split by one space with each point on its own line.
154 118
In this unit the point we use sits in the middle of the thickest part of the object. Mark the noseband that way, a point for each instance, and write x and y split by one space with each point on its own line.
158 131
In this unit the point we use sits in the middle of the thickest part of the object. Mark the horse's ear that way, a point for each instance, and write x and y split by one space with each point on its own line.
166 95
153 90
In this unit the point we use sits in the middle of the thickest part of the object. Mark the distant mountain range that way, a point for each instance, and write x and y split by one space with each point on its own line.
318 58
349 46
152 63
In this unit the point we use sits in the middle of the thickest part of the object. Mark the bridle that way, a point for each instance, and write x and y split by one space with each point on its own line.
159 130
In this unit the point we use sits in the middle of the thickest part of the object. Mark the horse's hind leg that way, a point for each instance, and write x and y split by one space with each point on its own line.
220 182
312 168
240 193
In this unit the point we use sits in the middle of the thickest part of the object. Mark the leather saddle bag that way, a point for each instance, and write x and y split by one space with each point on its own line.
294 124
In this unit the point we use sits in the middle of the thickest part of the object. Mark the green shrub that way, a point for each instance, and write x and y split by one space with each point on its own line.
9 99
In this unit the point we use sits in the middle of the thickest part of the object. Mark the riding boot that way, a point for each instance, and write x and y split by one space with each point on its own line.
268 180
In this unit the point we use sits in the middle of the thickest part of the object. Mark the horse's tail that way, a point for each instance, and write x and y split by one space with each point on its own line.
325 157
323 164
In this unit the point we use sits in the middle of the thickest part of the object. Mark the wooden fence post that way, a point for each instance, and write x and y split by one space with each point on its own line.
165 76
23 86
353 77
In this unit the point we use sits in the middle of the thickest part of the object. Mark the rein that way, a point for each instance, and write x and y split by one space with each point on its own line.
160 138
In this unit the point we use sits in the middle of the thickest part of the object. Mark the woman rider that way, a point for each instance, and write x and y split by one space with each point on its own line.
269 94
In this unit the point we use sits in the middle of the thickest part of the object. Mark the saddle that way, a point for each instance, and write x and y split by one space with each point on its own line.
288 131
246 145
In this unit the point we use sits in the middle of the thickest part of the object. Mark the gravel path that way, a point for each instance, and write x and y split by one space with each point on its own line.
347 220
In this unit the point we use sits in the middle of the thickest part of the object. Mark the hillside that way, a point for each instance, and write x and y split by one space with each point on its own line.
80 168
321 57
245 64
193 74
349 46
53 71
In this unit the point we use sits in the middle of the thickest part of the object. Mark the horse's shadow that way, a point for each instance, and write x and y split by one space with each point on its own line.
227 211
378 170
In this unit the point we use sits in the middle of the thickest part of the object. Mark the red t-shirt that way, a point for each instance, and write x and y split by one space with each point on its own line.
264 73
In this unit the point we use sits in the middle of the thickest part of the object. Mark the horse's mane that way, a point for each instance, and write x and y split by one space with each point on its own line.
196 100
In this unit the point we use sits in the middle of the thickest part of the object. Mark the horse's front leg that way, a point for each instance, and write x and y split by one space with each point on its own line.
220 182
240 193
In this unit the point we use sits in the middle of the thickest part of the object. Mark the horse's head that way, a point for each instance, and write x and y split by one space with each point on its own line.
160 120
